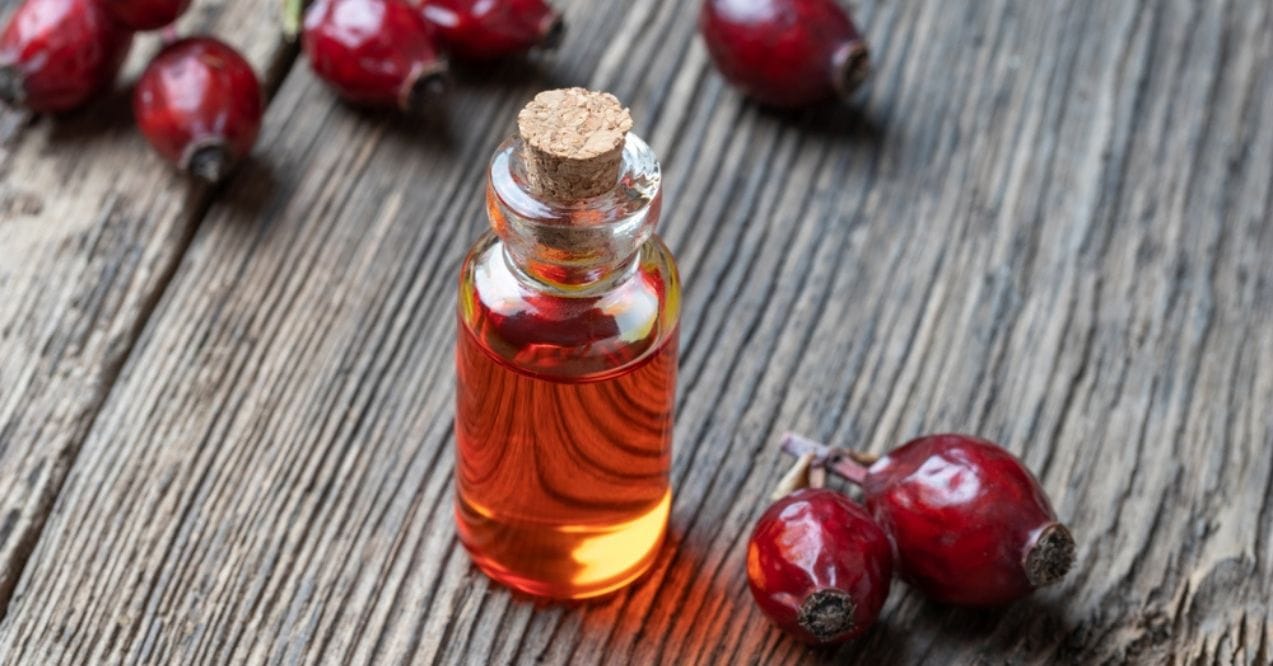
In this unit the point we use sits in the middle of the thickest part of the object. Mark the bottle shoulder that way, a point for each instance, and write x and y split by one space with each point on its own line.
569 335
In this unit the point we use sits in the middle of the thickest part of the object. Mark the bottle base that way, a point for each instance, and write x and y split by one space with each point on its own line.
562 562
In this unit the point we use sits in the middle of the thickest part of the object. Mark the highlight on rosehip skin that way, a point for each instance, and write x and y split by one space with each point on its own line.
199 105
819 566
785 53
56 55
970 525
376 53
484 30
142 15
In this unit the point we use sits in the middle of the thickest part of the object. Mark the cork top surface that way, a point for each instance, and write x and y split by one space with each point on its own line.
574 123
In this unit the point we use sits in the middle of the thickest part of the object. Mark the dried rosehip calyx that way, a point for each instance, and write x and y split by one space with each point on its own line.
819 566
970 525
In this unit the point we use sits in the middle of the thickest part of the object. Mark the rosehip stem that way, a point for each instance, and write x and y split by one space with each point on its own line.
845 464
796 478
292 16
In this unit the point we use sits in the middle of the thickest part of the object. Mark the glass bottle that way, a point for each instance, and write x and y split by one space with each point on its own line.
567 357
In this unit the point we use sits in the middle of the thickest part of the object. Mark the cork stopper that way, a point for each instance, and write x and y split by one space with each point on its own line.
573 142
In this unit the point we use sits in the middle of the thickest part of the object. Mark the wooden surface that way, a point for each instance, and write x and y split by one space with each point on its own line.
225 414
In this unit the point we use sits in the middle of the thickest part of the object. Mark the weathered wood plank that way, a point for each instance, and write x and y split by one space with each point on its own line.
1047 222
92 226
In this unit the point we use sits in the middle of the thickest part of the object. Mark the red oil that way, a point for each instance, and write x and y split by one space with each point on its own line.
566 357
562 476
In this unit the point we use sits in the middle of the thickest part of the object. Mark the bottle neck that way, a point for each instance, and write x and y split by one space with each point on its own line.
574 246
572 280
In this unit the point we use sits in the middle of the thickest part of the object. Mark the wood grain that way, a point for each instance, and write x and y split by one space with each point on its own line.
92 225
1049 223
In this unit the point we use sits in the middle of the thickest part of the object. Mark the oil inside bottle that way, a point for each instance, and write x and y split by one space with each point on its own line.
563 485
566 357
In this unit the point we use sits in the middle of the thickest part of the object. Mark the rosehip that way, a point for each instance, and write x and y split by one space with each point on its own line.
484 29
785 53
970 523
146 14
374 52
55 55
199 104
819 566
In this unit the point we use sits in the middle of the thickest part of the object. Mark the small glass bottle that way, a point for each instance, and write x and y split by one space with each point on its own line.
567 356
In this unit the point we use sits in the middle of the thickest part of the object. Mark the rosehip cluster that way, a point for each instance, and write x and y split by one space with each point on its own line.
389 53
961 519
198 102
785 53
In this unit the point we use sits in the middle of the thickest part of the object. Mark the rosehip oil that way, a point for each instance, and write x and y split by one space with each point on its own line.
567 357
563 483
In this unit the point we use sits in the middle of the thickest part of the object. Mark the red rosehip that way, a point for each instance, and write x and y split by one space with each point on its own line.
56 55
146 14
819 566
374 52
785 53
485 29
969 522
199 104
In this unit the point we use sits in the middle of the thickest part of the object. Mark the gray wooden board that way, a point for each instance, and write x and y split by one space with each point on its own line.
1049 223
92 225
